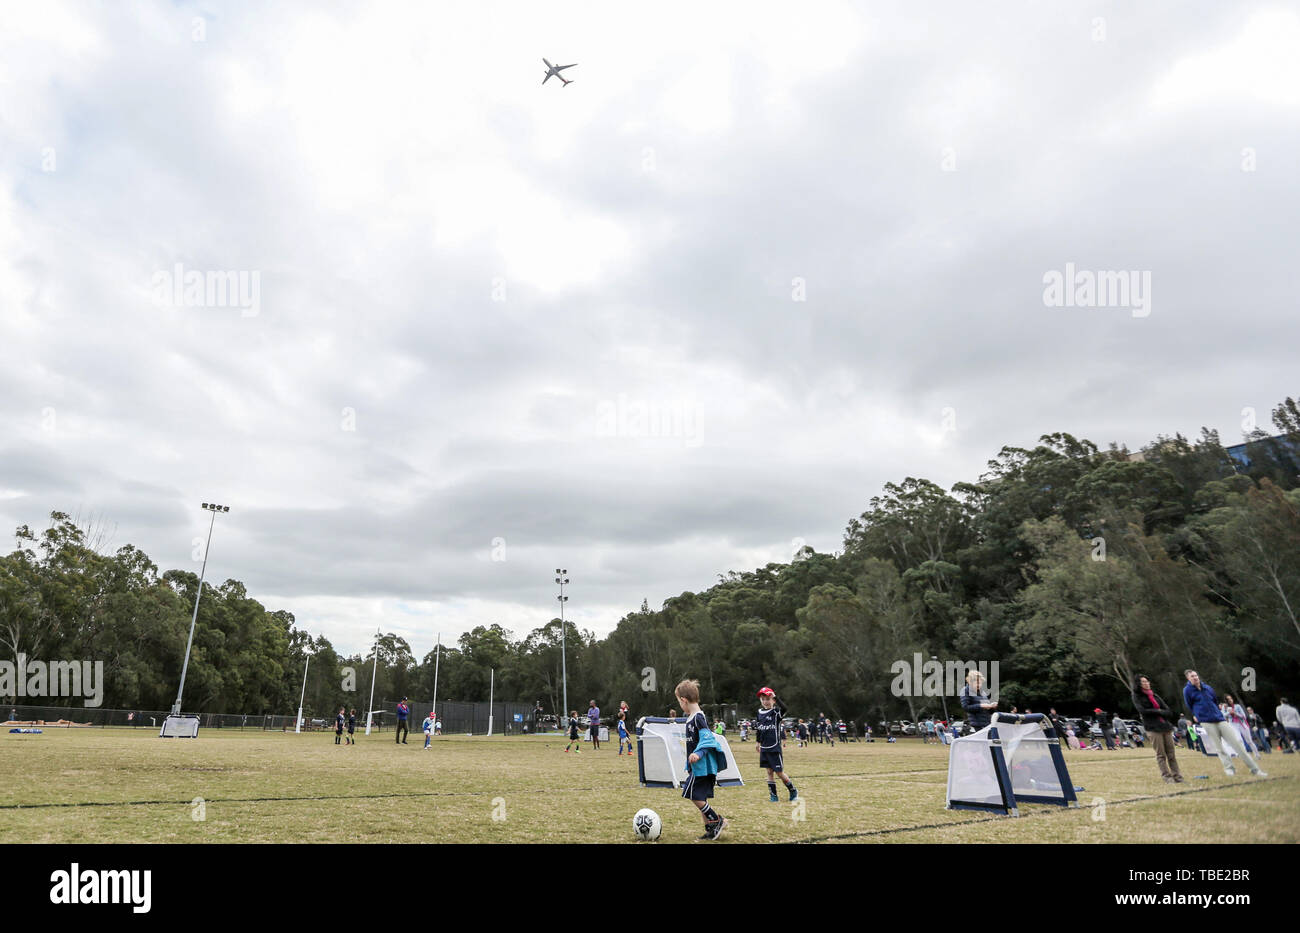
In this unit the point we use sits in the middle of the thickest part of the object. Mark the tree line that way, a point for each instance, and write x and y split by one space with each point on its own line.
1074 568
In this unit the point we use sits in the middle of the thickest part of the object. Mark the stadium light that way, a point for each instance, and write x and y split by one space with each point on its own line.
180 692
561 577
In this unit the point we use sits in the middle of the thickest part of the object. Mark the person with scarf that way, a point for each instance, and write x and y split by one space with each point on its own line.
1159 722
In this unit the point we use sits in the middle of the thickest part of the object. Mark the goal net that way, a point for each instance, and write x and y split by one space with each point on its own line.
179 727
661 754
1013 760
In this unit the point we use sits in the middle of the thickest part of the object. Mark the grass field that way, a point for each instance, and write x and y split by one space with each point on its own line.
121 785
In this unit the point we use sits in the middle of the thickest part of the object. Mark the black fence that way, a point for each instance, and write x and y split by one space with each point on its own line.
460 718
73 717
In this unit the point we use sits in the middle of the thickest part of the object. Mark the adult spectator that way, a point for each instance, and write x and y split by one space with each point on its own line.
1235 713
975 701
1057 725
403 710
1121 731
593 719
1259 731
1203 703
1103 723
1288 719
1158 720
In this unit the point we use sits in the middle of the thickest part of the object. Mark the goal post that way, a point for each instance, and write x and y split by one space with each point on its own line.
661 754
1015 759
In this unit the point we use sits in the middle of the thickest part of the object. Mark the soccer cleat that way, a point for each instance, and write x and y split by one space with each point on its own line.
722 824
794 793
1261 773
774 798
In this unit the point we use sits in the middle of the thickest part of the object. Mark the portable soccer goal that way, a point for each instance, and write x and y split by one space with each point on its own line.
1015 759
661 754
179 727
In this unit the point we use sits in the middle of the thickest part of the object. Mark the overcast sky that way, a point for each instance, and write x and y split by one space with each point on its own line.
674 319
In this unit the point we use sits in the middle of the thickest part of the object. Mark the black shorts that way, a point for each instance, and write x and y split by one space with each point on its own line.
699 787
771 758
573 735
595 730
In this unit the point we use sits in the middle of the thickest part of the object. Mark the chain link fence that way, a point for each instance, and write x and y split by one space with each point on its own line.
456 718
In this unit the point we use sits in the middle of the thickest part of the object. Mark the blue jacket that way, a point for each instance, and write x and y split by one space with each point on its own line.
1202 703
713 759
975 712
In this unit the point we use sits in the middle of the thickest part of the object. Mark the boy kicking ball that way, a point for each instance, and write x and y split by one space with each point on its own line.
704 758
768 733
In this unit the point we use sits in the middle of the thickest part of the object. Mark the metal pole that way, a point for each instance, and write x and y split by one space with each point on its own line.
176 707
492 680
437 656
370 711
563 578
298 729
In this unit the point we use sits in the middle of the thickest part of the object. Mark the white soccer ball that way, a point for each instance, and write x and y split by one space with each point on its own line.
647 825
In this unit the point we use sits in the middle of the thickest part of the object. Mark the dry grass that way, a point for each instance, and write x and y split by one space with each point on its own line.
121 785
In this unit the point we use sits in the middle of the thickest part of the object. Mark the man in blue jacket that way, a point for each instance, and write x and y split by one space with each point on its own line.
403 710
1203 703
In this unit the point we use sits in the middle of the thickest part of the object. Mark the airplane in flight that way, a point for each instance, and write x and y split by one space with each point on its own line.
553 71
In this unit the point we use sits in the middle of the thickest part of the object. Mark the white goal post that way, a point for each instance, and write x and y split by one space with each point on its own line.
661 754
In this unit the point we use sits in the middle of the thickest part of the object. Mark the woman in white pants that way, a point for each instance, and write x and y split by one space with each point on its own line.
1235 713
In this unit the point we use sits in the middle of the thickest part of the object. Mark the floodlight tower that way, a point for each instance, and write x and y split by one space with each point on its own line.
561 577
214 509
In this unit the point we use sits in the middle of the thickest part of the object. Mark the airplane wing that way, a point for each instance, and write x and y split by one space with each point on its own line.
549 75
562 67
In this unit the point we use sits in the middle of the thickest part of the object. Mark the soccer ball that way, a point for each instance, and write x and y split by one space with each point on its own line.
647 825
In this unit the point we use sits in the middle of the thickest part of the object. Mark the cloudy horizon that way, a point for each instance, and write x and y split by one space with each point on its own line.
432 328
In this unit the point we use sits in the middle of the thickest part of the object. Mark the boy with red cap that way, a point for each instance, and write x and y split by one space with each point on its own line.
767 732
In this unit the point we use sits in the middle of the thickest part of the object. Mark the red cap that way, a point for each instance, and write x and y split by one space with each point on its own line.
766 692
1097 710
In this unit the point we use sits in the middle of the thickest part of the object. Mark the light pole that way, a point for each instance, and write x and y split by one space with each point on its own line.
298 728
562 577
943 693
437 658
370 710
214 509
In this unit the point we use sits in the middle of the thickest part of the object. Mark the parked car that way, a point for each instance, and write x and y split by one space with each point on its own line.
908 727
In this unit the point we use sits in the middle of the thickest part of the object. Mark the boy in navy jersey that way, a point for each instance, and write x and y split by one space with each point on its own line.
338 727
574 741
704 758
768 734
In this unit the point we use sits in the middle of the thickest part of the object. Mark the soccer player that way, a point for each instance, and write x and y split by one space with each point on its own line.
338 727
574 742
593 717
623 733
704 758
768 735
427 725
801 732
352 728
